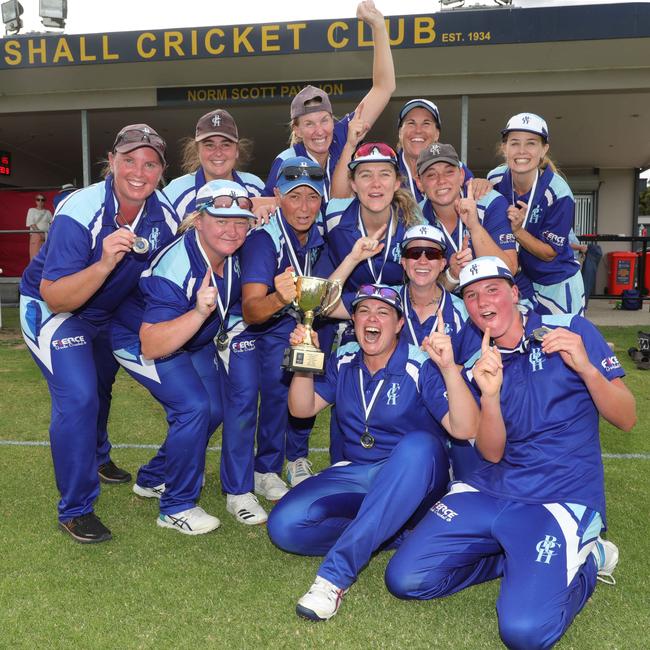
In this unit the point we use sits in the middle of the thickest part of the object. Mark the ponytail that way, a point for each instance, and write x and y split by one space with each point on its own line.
188 223
407 208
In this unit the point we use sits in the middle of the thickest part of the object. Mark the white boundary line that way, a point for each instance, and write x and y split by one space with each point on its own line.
45 443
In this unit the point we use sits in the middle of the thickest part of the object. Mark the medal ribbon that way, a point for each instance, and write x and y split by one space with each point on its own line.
293 257
407 302
389 237
531 198
326 186
128 226
409 176
367 408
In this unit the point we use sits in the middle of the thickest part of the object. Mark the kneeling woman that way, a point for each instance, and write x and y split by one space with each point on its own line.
391 473
183 304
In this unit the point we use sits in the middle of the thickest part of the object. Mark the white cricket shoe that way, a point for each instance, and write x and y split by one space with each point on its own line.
246 508
194 521
149 492
270 486
298 470
606 554
321 602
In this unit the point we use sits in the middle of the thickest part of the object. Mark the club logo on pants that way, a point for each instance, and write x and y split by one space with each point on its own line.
546 549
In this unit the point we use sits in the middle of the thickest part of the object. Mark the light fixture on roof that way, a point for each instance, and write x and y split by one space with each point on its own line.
53 12
11 12
455 3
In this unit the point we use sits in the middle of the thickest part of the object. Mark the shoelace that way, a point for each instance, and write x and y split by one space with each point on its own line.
302 467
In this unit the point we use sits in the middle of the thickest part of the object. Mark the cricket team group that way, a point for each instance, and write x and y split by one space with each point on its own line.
464 384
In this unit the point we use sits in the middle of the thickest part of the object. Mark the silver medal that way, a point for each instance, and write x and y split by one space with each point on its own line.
367 440
140 246
540 332
222 341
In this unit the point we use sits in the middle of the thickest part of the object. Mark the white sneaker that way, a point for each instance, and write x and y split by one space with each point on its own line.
321 602
149 492
270 486
606 554
298 470
246 508
194 521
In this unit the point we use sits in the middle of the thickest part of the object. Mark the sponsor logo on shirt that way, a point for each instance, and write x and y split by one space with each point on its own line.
442 511
507 238
68 342
610 363
392 394
546 549
243 346
553 238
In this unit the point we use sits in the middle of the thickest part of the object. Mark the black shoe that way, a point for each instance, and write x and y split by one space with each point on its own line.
86 529
111 473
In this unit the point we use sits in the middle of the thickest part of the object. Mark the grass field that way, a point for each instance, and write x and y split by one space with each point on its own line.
154 588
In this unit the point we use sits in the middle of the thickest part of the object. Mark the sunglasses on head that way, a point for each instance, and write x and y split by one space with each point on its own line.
294 173
416 252
383 292
226 201
369 149
139 135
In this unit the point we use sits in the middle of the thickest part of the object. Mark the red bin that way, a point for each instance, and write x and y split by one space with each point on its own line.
622 271
646 281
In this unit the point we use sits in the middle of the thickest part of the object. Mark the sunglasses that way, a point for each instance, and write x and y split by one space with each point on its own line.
383 292
139 135
416 252
40 200
226 201
370 149
294 173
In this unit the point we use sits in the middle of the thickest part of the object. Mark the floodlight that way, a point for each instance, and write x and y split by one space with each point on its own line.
53 12
11 12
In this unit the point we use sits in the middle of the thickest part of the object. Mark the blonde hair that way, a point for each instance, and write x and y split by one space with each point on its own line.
190 162
293 138
189 222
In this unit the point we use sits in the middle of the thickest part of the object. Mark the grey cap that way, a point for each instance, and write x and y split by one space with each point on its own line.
320 99
437 152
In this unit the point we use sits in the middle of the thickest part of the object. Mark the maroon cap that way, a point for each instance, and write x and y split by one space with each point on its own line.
217 122
135 136
320 99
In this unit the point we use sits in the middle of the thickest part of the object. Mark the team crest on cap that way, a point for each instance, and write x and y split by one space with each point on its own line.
434 149
216 120
146 130
473 269
525 119
424 230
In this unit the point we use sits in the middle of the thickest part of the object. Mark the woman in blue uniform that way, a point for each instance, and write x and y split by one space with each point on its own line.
314 131
101 240
186 300
389 471
532 511
213 154
542 212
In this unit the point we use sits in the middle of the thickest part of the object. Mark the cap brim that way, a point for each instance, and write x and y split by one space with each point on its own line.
132 146
424 166
494 276
442 245
408 107
204 136
505 132
355 163
286 186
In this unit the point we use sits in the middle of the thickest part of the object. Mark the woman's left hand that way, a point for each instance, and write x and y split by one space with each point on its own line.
370 15
438 345
206 296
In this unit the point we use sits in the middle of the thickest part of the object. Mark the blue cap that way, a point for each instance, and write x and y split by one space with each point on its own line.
214 189
298 171
419 103
381 292
483 268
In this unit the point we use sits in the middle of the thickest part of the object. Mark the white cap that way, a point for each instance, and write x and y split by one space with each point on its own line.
424 231
527 122
483 268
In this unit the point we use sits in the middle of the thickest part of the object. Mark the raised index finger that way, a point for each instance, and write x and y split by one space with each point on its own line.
380 233
359 111
470 189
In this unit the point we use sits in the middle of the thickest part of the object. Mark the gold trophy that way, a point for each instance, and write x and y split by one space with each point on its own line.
314 296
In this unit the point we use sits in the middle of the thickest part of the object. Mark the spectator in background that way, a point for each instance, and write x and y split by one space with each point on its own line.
66 190
38 221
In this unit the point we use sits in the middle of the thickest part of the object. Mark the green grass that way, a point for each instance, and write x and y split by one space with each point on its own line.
154 588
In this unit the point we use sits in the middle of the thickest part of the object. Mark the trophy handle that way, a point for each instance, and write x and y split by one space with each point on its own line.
338 290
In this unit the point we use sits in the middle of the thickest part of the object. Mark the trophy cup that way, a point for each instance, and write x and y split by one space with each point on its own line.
314 296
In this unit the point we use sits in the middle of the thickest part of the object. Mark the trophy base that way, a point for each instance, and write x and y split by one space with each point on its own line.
301 358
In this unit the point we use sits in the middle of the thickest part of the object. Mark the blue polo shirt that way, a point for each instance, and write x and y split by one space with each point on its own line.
550 220
182 191
265 254
411 385
75 241
339 138
552 452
